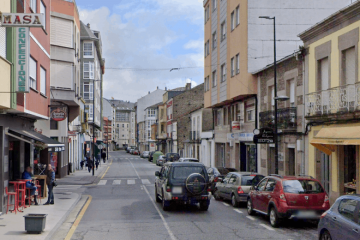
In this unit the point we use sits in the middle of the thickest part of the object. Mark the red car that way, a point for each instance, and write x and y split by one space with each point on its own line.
136 152
288 197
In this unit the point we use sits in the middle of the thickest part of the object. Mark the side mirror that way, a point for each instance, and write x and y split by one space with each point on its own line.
157 174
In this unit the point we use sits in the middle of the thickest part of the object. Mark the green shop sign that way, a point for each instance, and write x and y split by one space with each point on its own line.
22 59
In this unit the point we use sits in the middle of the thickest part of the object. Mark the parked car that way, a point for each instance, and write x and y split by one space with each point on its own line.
342 219
188 160
288 197
131 151
128 149
172 157
151 156
145 154
217 174
182 183
161 160
236 186
136 152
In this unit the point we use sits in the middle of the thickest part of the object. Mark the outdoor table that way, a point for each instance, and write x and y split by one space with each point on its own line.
16 189
44 188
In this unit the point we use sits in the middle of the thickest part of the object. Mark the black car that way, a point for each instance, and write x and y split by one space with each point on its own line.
217 174
182 183
151 156
172 157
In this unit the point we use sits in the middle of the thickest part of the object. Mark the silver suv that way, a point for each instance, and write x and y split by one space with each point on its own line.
182 183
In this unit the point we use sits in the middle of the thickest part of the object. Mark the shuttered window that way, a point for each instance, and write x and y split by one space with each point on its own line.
324 65
292 93
62 74
43 81
43 10
350 66
32 73
61 32
3 42
88 70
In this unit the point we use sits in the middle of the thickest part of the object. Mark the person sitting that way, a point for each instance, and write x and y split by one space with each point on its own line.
30 185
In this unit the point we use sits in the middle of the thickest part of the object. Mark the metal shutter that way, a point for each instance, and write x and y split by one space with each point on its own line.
62 75
61 32
324 74
350 66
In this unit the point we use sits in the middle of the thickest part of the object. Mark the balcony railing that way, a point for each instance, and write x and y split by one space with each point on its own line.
341 99
286 118
194 136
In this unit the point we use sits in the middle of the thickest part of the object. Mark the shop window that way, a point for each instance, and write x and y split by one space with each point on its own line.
54 125
250 115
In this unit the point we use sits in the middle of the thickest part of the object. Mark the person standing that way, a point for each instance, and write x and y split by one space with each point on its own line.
103 156
50 179
29 184
89 164
97 163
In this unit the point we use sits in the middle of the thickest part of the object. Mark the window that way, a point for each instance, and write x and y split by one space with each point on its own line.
43 81
207 14
349 66
237 15
323 74
347 208
53 125
151 113
33 5
270 186
223 73
88 70
3 42
232 180
32 73
232 20
214 80
89 110
237 63
292 93
272 96
223 31
214 4
261 185
88 91
208 47
122 125
232 67
214 42
250 115
207 84
88 49
122 117
43 10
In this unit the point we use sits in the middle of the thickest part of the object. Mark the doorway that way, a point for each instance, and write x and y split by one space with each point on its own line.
349 166
291 161
325 171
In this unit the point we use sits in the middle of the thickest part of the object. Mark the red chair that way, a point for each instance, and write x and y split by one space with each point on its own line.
37 184
21 195
8 194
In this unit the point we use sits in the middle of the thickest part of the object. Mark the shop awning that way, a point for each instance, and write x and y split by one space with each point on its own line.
328 137
35 138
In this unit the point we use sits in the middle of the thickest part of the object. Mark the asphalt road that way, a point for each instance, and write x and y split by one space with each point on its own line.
123 207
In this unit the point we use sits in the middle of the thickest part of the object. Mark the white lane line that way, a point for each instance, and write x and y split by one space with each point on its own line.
145 181
126 178
251 218
135 170
237 210
116 182
102 182
130 181
226 204
171 234
267 227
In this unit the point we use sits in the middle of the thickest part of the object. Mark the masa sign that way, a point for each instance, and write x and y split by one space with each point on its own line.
22 59
58 113
22 20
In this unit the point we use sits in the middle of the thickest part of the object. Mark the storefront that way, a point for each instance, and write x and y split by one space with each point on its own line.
245 150
334 158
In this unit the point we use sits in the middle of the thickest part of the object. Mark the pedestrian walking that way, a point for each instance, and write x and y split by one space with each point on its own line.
82 164
89 164
50 180
103 156
97 163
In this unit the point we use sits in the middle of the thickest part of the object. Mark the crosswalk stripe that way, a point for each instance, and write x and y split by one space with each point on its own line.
116 182
130 181
102 182
145 181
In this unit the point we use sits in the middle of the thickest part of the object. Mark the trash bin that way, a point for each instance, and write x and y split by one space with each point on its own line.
35 223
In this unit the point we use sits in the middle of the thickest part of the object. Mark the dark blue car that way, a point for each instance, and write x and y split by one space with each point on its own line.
342 220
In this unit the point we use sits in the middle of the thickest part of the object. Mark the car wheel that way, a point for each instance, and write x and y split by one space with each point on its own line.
204 206
234 203
249 207
165 204
325 235
273 217
157 196
216 196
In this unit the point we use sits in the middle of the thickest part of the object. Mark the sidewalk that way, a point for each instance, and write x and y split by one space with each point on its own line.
12 226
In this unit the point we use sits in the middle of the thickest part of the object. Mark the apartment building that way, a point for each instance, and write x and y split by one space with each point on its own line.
109 123
238 43
151 119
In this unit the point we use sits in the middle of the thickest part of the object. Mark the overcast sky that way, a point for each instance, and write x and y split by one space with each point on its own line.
151 35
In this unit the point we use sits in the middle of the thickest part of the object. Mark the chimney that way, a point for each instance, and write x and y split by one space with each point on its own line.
157 87
149 92
188 86
165 88
88 25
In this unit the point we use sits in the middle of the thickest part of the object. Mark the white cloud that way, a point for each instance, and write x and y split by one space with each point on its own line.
194 44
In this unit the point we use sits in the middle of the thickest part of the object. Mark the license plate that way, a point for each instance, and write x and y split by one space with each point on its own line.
176 190
305 214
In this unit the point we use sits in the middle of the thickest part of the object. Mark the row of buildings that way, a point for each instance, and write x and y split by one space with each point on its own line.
51 121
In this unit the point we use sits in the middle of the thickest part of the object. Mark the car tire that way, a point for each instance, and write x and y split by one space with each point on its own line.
165 206
325 235
157 196
249 207
204 206
274 218
234 203
216 196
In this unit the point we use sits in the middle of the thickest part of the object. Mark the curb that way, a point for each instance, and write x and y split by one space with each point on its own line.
62 220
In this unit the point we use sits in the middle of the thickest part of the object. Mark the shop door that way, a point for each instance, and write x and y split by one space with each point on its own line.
271 167
291 161
242 157
325 172
349 165
251 163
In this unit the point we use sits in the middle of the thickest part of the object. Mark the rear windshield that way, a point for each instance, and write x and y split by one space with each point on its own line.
184 172
250 180
302 186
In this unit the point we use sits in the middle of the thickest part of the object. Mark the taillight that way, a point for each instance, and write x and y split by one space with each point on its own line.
239 190
323 215
168 188
326 198
216 179
282 196
209 189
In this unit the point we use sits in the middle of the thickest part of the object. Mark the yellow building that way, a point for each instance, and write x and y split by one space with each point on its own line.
332 97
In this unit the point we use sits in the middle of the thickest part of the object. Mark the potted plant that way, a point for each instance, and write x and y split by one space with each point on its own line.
34 222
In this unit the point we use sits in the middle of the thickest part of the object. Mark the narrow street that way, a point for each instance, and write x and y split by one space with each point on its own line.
121 208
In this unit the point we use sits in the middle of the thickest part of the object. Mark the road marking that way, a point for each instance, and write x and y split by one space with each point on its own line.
105 172
237 210
130 181
78 219
116 182
145 181
251 218
102 182
171 234
135 170
267 227
127 178
226 204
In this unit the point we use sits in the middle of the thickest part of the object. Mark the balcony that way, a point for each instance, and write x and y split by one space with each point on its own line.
194 136
286 119
337 100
